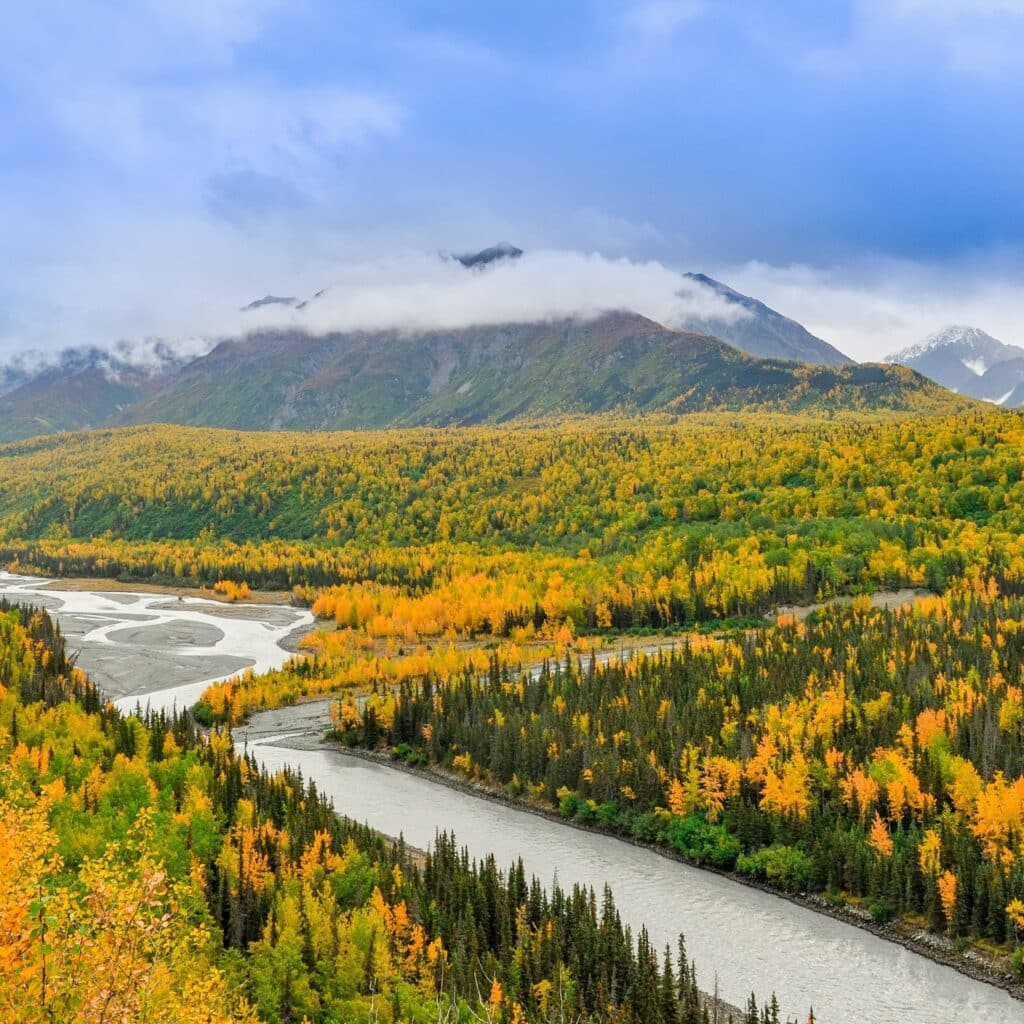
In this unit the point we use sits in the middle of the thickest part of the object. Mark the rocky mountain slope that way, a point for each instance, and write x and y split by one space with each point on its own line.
290 378
81 387
619 361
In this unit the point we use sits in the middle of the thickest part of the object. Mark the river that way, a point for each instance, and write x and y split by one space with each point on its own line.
756 942
156 650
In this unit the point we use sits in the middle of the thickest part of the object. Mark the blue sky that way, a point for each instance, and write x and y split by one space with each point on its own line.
856 164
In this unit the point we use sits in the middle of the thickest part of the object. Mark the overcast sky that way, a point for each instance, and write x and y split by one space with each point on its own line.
857 165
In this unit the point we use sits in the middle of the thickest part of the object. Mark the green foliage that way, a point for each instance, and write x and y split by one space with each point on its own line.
831 506
875 752
786 866
703 842
1017 963
881 912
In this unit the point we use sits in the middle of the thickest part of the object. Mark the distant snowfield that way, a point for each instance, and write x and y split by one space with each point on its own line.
156 650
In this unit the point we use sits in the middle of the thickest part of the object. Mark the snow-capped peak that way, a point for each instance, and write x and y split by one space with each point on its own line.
970 340
955 334
970 362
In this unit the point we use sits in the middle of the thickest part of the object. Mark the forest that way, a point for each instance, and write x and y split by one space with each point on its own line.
472 588
150 873
660 522
866 754
418 544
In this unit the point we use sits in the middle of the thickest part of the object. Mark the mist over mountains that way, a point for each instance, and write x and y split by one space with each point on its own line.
716 349
763 332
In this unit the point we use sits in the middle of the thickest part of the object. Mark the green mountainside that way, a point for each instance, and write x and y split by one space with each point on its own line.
492 374
617 362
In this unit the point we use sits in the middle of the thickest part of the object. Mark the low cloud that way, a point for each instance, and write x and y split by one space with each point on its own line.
145 356
422 292
189 289
192 293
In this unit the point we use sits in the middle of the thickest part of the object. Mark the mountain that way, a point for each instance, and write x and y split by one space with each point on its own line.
291 379
759 330
272 300
971 362
492 254
80 387
13 375
1002 384
471 260
51 402
619 361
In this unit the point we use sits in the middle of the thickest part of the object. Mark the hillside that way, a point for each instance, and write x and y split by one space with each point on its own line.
294 380
619 361
81 387
742 500
53 401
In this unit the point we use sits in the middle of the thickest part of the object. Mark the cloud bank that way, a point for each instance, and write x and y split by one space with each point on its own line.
867 309
424 291
202 290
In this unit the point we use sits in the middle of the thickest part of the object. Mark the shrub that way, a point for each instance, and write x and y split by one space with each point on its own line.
647 828
568 803
880 912
703 842
203 713
786 866
1017 963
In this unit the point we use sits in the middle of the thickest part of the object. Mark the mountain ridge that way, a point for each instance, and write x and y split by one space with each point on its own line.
969 361
616 362
959 335
762 331
83 386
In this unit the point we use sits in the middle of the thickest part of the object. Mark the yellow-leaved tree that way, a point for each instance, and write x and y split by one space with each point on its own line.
120 943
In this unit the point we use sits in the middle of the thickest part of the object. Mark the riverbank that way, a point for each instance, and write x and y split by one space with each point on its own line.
887 600
970 962
106 585
272 733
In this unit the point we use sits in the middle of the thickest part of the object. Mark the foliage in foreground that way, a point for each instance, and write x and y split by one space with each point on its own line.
149 875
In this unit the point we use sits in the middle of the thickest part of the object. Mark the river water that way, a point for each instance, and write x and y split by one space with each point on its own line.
756 942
